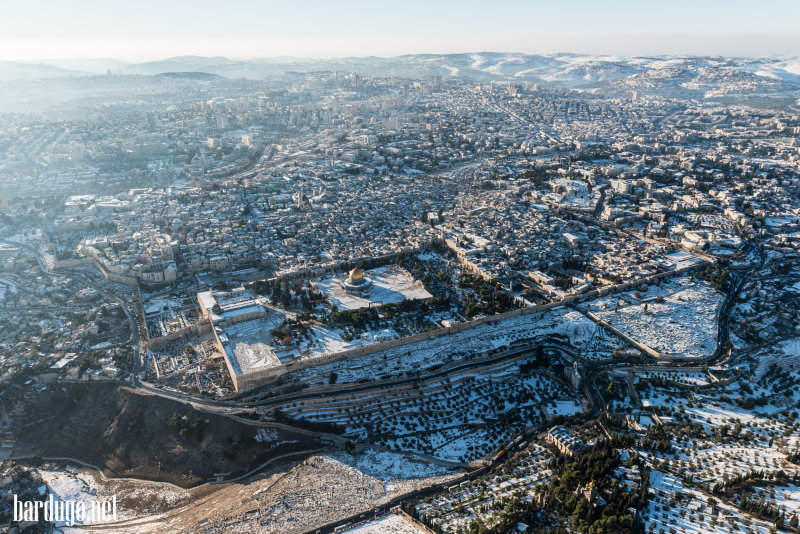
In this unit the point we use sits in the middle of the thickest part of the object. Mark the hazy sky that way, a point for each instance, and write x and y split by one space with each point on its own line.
148 29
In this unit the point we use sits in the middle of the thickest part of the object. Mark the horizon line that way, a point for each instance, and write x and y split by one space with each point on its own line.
44 60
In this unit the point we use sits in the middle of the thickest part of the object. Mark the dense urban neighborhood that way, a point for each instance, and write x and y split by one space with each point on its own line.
459 294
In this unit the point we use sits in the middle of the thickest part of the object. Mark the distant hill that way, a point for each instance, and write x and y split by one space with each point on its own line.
220 66
570 70
648 74
94 66
16 70
189 75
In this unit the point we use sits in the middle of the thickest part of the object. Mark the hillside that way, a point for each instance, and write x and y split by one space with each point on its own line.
130 434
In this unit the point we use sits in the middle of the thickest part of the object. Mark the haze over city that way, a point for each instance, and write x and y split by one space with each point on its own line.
149 30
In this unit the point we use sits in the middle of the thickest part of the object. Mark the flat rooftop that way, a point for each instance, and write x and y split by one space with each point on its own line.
246 346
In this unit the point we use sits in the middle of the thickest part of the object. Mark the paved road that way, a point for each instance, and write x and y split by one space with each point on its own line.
133 339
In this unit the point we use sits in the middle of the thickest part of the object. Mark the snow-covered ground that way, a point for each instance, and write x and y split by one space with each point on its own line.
564 407
390 284
785 498
465 502
779 386
71 486
714 439
713 460
134 498
390 465
323 489
389 524
32 239
250 341
162 304
782 68
454 419
329 340
694 378
676 318
589 339
785 355
675 507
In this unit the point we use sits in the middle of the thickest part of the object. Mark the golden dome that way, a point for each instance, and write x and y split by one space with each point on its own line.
357 274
